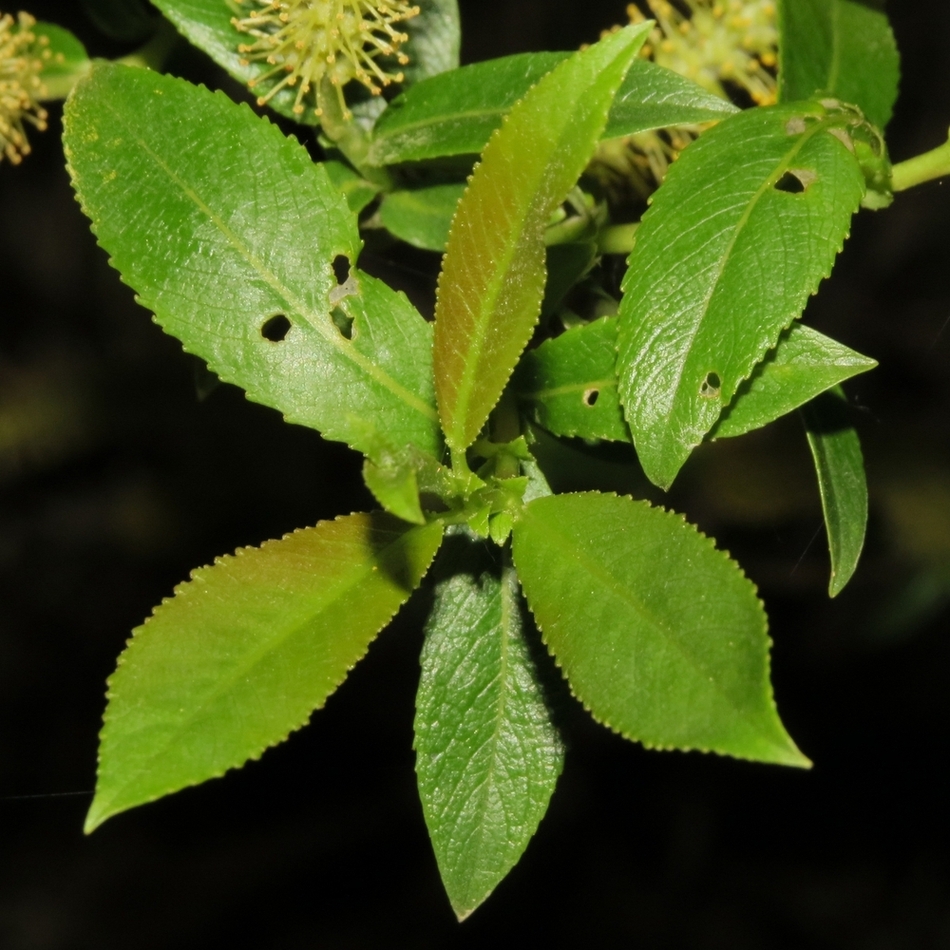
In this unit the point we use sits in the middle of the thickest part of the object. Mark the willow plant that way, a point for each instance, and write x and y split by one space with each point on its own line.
766 131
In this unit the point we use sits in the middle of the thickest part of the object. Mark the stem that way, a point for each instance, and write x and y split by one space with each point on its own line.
617 239
347 136
917 170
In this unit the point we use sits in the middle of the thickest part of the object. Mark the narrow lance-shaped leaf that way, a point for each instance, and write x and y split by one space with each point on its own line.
838 48
231 235
747 223
836 449
659 634
492 279
246 650
456 113
487 754
568 384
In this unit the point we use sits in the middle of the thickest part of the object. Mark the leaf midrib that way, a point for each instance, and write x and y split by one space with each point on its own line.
703 308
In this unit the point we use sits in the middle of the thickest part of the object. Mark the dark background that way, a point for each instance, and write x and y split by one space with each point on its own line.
116 480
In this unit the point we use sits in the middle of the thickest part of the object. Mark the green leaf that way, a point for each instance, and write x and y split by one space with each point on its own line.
435 36
422 217
456 113
246 650
487 754
65 59
493 274
569 384
839 48
804 364
747 223
357 190
844 492
659 634
652 97
229 234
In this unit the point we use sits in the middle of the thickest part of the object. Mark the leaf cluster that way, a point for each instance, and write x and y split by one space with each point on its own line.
249 252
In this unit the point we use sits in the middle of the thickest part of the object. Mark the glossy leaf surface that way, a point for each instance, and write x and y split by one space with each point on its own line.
659 634
423 216
246 650
838 48
456 113
493 274
747 223
836 450
229 234
487 753
568 384
804 364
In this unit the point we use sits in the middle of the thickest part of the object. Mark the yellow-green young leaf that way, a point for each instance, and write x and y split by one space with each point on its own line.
659 634
246 650
493 275
241 247
836 450
487 754
746 225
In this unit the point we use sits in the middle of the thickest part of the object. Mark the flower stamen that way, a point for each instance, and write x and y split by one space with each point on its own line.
314 40
22 57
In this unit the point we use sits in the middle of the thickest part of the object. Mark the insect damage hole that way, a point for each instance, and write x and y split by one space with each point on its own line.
795 181
341 268
711 386
276 328
591 396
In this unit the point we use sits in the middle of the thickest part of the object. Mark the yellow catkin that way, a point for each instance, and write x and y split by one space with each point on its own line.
22 57
308 41
717 45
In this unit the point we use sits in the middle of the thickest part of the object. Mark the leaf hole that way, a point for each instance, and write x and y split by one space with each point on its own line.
795 181
711 386
591 396
343 322
276 328
341 268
